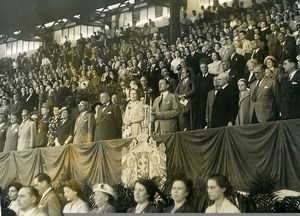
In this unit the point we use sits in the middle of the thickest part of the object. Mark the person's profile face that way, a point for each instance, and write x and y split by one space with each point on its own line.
69 194
100 198
12 193
214 191
24 199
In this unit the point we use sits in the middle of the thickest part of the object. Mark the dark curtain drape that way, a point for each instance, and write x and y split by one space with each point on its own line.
237 152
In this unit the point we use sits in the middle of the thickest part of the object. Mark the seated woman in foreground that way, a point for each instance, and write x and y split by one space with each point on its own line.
218 188
182 189
144 192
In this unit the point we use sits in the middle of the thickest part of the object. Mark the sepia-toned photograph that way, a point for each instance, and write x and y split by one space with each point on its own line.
149 106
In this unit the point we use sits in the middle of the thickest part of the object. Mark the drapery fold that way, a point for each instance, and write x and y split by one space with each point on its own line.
234 151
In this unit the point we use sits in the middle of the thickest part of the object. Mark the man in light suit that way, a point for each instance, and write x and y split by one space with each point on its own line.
3 129
184 92
264 97
27 199
49 201
11 140
84 125
109 120
165 110
27 132
290 91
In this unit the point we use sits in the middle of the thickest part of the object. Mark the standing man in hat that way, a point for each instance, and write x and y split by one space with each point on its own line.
27 132
84 124
65 128
104 195
3 129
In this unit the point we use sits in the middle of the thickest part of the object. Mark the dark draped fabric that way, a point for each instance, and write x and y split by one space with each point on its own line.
234 151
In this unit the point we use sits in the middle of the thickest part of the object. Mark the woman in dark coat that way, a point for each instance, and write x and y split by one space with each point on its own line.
144 192
182 189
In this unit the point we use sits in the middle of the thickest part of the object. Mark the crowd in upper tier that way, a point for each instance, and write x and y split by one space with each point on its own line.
229 66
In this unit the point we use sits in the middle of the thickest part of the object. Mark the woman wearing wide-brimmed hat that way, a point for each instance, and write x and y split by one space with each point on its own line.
104 195
272 69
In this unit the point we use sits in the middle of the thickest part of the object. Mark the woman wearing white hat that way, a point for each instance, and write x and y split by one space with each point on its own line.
272 69
103 196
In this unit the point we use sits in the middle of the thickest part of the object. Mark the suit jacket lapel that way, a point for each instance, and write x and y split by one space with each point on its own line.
261 87
79 122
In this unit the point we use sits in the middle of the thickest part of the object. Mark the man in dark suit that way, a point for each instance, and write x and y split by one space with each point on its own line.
65 128
3 129
32 101
109 120
17 105
210 101
290 91
264 97
204 85
287 47
165 110
237 65
84 125
257 52
184 92
145 89
42 127
225 106
273 42
49 201
154 75
193 59
166 75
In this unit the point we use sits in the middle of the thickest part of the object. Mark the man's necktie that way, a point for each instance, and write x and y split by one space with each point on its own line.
254 95
161 100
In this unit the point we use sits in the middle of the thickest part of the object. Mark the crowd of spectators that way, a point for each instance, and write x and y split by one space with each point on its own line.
229 66
42 200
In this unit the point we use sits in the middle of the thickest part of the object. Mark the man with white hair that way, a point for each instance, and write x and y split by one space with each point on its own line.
225 106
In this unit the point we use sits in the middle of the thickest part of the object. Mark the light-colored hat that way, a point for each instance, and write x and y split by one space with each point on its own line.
45 105
105 188
271 58
64 108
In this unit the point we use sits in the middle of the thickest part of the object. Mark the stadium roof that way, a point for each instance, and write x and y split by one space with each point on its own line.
25 15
